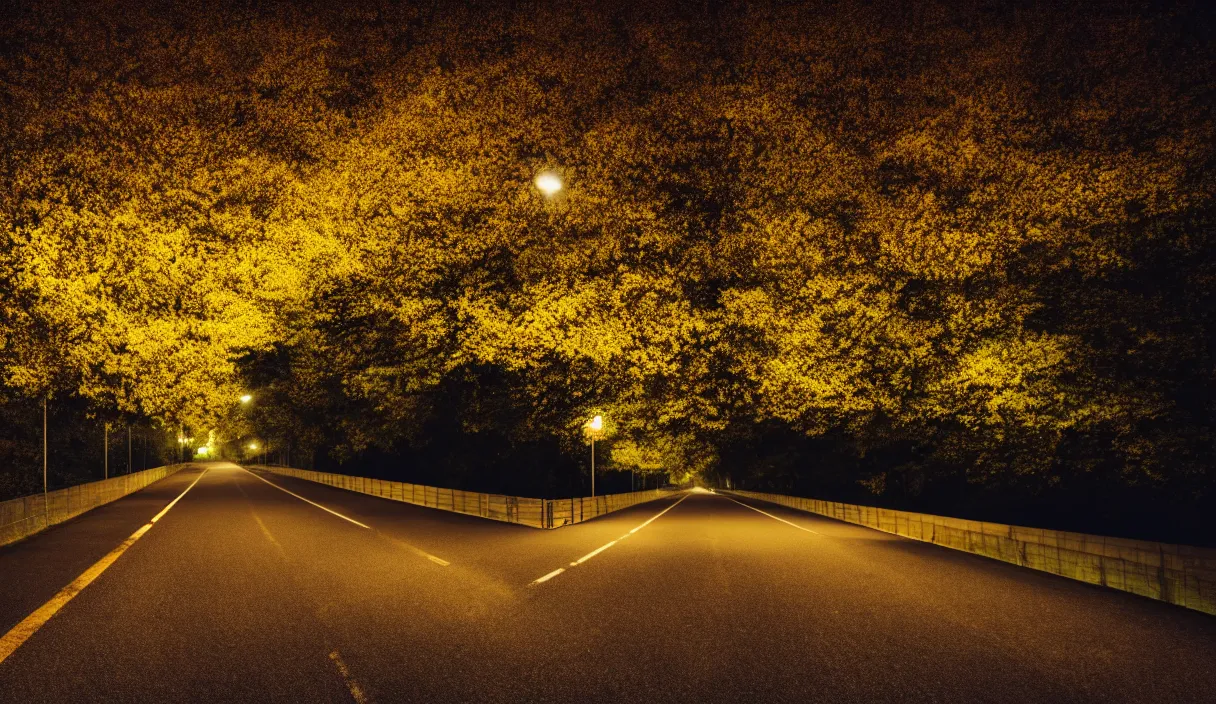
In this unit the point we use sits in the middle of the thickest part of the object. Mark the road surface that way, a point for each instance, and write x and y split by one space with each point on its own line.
243 591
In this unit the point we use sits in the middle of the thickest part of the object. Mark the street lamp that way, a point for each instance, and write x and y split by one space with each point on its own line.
593 427
548 182
246 398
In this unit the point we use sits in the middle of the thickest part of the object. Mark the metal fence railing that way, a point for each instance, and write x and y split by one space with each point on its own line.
23 517
1178 574
537 513
564 512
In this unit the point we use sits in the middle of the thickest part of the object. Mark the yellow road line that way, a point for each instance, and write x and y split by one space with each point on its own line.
602 548
30 625
172 503
356 692
407 546
774 517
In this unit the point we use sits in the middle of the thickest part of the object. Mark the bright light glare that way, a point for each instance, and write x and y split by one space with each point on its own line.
246 398
253 446
701 490
548 182
596 424
202 451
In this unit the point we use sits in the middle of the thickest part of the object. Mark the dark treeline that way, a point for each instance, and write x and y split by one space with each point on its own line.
949 256
76 446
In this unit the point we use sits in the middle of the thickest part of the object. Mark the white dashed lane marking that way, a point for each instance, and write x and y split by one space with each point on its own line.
602 548
400 543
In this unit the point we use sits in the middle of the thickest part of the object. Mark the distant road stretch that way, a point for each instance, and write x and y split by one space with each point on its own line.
265 588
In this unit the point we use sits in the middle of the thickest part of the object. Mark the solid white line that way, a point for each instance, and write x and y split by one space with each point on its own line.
314 503
602 548
407 546
30 625
774 517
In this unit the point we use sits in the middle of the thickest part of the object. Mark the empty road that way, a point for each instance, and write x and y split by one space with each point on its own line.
264 588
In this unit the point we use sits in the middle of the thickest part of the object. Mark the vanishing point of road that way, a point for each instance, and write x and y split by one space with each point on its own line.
265 588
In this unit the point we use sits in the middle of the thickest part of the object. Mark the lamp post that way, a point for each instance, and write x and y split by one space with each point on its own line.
594 426
45 511
245 400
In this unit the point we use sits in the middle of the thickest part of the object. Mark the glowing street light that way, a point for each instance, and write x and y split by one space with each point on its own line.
246 398
253 446
593 428
548 182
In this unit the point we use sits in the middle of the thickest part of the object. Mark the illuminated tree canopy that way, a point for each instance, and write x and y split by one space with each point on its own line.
973 238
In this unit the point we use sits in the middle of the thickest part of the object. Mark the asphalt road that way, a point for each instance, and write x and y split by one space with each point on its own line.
244 592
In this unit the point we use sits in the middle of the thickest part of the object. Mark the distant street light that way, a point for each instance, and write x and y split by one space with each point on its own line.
548 182
246 398
593 428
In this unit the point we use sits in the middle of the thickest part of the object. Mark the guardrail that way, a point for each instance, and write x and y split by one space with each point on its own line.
564 512
537 513
1177 574
20 518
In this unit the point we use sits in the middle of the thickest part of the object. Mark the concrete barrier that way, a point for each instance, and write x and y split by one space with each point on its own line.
1178 574
20 518
537 513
